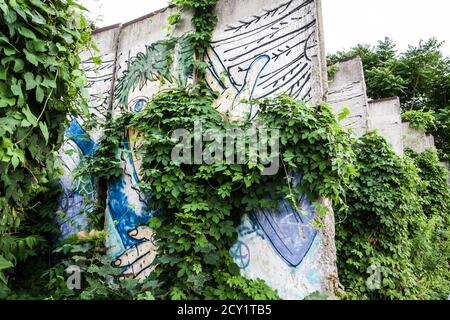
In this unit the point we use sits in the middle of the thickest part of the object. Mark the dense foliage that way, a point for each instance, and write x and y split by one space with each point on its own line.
431 244
420 77
40 82
420 120
392 212
396 224
202 204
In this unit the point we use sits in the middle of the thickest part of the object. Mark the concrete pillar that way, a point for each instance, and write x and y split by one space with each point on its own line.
385 117
347 89
416 140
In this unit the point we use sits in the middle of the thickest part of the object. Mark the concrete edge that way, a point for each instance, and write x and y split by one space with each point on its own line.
125 24
396 98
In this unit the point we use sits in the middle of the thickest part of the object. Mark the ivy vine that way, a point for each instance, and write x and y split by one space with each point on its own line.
396 226
40 83
424 121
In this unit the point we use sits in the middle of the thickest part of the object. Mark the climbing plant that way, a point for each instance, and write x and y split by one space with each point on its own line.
202 204
392 212
431 243
421 120
393 239
40 83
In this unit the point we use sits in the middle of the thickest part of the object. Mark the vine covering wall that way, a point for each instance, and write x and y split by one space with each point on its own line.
40 81
249 57
139 225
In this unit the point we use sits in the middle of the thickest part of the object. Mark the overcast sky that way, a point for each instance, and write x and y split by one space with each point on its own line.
347 22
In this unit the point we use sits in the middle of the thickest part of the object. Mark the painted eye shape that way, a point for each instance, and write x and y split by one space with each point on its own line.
139 105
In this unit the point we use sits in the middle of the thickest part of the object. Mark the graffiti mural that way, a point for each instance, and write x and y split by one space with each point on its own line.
263 54
79 193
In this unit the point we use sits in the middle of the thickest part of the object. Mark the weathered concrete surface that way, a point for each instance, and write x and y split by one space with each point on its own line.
385 117
416 140
347 89
446 165
267 48
260 49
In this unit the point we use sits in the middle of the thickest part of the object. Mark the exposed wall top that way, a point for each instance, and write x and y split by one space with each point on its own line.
347 89
267 48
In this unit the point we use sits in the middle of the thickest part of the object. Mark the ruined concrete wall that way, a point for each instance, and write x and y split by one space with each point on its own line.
259 49
416 140
347 89
385 117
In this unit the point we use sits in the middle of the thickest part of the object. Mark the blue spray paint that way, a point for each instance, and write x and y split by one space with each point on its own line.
289 231
127 218
82 139
75 194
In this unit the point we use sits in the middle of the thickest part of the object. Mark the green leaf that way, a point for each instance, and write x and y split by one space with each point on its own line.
344 114
154 223
27 33
31 57
6 102
29 81
40 5
44 130
39 46
39 94
8 124
18 65
15 161
97 60
16 89
5 264
49 83
30 242
9 51
76 4
3 73
25 123
37 18
30 116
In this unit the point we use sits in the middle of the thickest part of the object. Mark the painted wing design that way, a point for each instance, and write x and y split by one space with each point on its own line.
99 82
285 36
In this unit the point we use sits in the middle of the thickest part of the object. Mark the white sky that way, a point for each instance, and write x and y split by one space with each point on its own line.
347 22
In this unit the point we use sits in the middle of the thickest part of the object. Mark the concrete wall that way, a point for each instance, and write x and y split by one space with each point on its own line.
385 117
416 140
347 89
259 49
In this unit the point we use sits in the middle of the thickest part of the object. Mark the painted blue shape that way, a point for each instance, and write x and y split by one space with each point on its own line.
73 202
241 254
82 139
139 105
127 218
288 230
74 207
